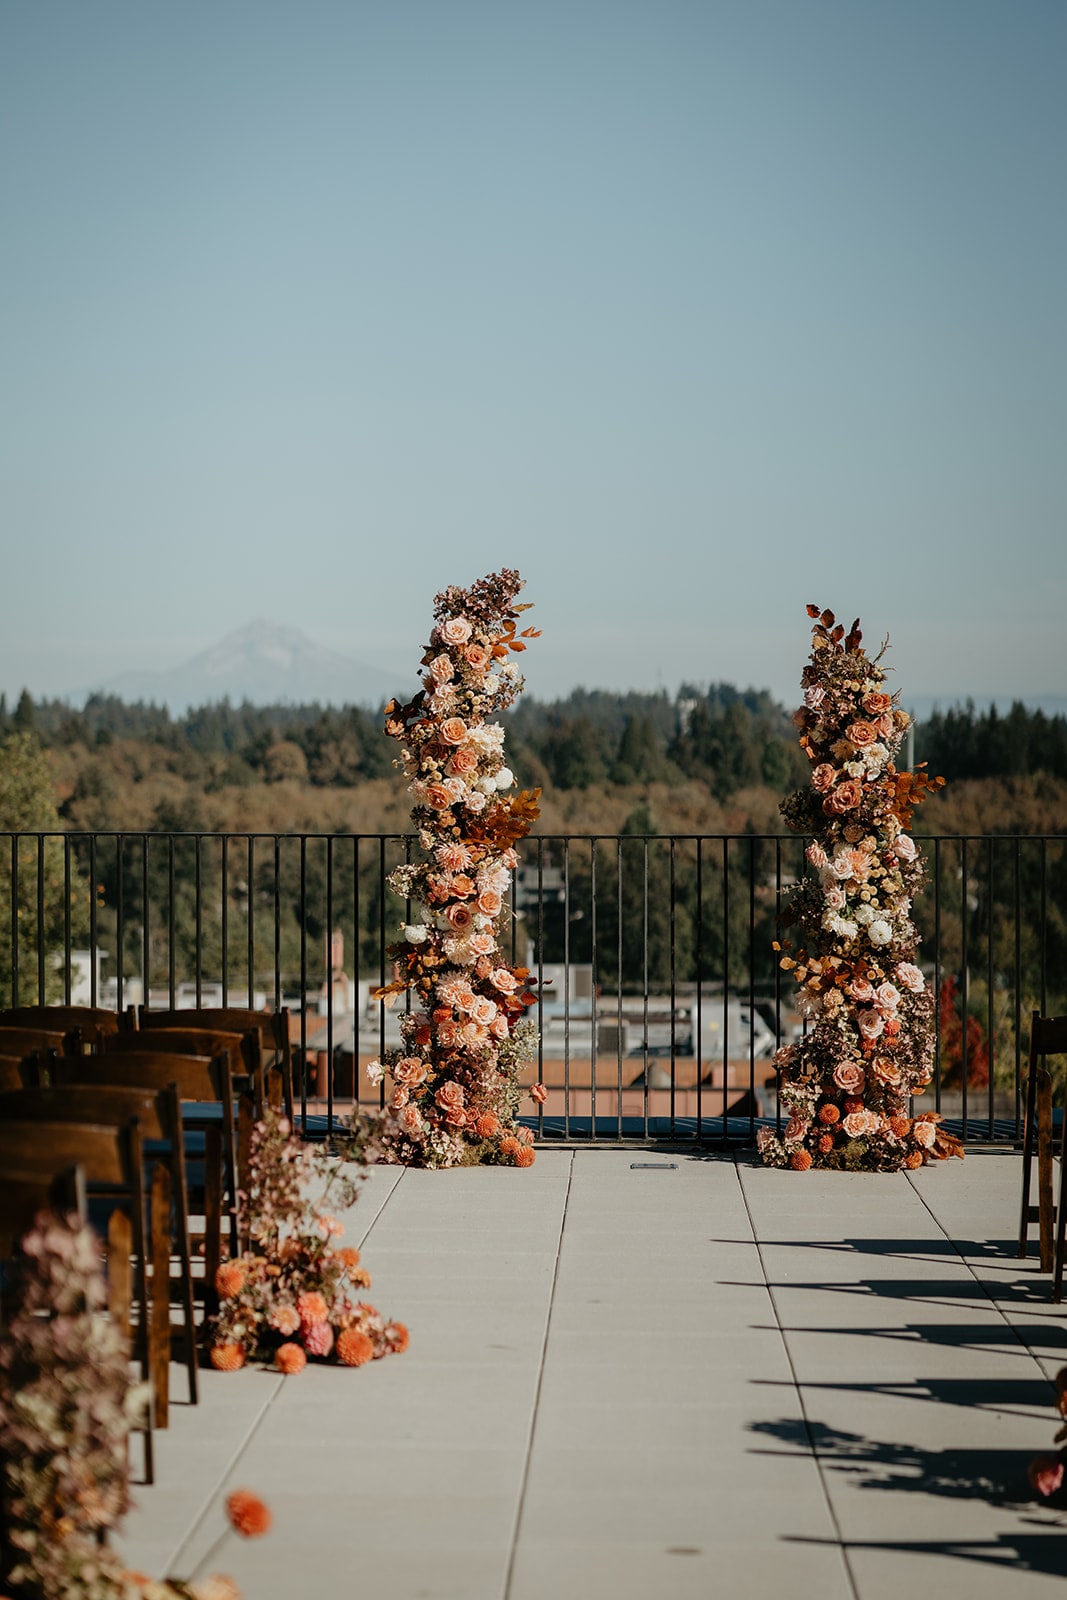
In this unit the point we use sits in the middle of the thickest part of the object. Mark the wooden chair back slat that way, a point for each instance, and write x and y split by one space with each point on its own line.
272 1028
93 1022
22 1040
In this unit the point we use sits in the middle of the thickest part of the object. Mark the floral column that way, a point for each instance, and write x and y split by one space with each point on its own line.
454 1083
848 1083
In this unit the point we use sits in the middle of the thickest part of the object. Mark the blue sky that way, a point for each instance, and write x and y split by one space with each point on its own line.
692 310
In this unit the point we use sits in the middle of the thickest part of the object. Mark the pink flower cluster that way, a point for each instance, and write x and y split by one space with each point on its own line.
454 1093
289 1296
849 1081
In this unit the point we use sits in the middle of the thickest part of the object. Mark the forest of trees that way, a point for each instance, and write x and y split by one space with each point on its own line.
633 769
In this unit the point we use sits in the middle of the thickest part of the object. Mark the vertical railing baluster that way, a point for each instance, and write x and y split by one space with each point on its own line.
146 945
224 890
172 926
120 934
198 891
42 976
251 929
67 952
92 919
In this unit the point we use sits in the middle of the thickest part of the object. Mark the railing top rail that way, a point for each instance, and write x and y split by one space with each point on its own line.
533 838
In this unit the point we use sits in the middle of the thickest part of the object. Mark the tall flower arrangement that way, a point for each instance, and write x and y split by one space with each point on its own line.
848 1082
454 1091
290 1294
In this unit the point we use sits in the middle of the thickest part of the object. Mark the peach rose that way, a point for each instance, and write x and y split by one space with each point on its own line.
870 1024
482 944
504 979
477 656
905 848
438 796
925 1134
861 734
400 1097
464 760
484 1010
473 1033
489 903
447 1034
539 1093
910 977
822 777
454 631
846 797
410 1070
454 731
441 669
876 703
861 990
850 1077
460 916
499 1026
410 1119
887 996
449 1094
887 1072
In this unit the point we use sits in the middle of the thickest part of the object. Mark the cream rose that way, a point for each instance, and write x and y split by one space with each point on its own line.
455 631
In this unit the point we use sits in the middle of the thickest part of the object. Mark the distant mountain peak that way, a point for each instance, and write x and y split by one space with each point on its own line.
264 662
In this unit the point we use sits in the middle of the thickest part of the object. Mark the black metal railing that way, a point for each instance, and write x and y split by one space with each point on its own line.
662 998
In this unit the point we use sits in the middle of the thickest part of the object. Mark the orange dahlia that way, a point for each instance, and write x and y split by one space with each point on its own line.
230 1279
829 1113
915 1159
290 1358
509 1145
348 1257
248 1515
901 1126
524 1156
397 1337
487 1124
312 1306
826 1143
353 1348
227 1357
800 1160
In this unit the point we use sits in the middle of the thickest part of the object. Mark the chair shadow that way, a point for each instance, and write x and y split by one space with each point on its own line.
989 1251
1021 1338
1011 1552
996 1476
1006 1396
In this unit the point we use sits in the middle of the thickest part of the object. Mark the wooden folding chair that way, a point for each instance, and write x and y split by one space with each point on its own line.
1048 1036
241 1046
202 1083
76 1097
112 1161
271 1026
93 1022
19 1039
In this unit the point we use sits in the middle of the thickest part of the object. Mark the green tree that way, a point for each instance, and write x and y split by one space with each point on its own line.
33 876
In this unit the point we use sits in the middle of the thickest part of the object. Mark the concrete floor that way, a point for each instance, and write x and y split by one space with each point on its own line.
629 1379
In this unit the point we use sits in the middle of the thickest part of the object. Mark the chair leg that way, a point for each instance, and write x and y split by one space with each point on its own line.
185 1263
120 1304
1028 1148
1061 1219
159 1330
212 1215
1044 1168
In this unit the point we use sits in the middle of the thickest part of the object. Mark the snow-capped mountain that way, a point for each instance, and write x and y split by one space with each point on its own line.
265 663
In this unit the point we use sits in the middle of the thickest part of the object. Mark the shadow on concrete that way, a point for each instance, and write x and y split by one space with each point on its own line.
1007 1396
1022 1338
1014 1552
996 1476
